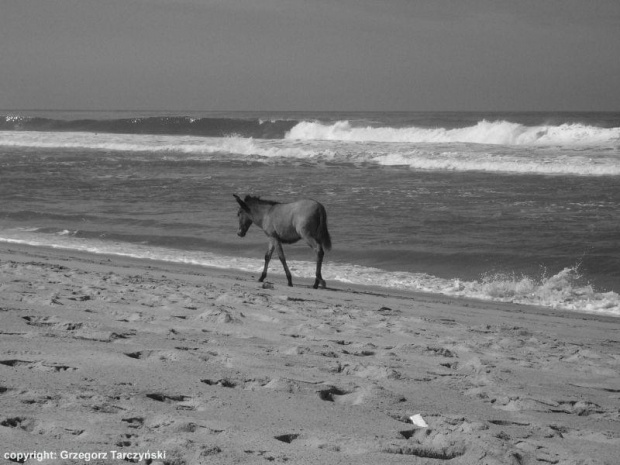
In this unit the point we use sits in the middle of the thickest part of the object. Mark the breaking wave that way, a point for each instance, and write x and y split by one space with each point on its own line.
484 132
564 290
501 132
572 161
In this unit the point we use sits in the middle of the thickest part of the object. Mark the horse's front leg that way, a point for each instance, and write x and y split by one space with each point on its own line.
289 278
270 250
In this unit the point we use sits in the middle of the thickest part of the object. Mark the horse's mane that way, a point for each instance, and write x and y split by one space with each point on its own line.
253 199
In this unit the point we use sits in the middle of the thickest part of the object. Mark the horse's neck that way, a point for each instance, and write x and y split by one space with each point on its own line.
258 213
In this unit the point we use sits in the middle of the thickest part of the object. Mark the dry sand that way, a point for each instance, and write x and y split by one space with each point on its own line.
118 356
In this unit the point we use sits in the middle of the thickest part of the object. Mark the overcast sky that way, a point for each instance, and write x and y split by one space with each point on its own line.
310 54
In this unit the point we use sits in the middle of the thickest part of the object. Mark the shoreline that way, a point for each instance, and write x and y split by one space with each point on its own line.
276 275
106 353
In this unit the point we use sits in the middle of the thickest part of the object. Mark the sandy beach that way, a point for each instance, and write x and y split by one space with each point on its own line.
113 360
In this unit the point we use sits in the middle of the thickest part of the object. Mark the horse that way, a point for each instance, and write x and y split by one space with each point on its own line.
287 223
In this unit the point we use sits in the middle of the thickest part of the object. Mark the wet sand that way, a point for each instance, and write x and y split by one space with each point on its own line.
119 357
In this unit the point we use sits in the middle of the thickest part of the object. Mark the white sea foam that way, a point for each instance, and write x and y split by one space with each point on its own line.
562 291
156 144
509 162
454 156
484 132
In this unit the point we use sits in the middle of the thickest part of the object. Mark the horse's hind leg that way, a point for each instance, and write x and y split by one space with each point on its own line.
289 278
270 250
319 264
319 261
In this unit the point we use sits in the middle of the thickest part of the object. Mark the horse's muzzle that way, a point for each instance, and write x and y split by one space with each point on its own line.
241 233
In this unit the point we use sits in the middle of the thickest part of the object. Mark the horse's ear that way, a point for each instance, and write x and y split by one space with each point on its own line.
242 203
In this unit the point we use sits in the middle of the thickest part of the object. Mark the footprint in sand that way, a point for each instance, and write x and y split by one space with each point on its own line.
361 350
167 397
606 437
360 395
40 366
582 408
77 330
290 385
24 423
173 426
103 336
52 322
172 355
127 440
40 399
371 372
134 422
516 403
426 350
447 438
247 384
180 401
35 426
437 447
221 316
333 394
443 440
287 438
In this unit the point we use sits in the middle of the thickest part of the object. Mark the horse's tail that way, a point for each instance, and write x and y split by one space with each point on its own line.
322 233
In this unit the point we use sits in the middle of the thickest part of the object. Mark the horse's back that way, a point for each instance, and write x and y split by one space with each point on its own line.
300 219
305 211
306 207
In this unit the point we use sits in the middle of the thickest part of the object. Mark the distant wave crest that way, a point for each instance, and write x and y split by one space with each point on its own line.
484 132
499 132
574 161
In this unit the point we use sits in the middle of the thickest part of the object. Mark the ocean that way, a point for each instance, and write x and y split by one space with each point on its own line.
517 207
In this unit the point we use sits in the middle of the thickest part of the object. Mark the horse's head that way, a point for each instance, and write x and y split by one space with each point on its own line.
244 215
245 221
